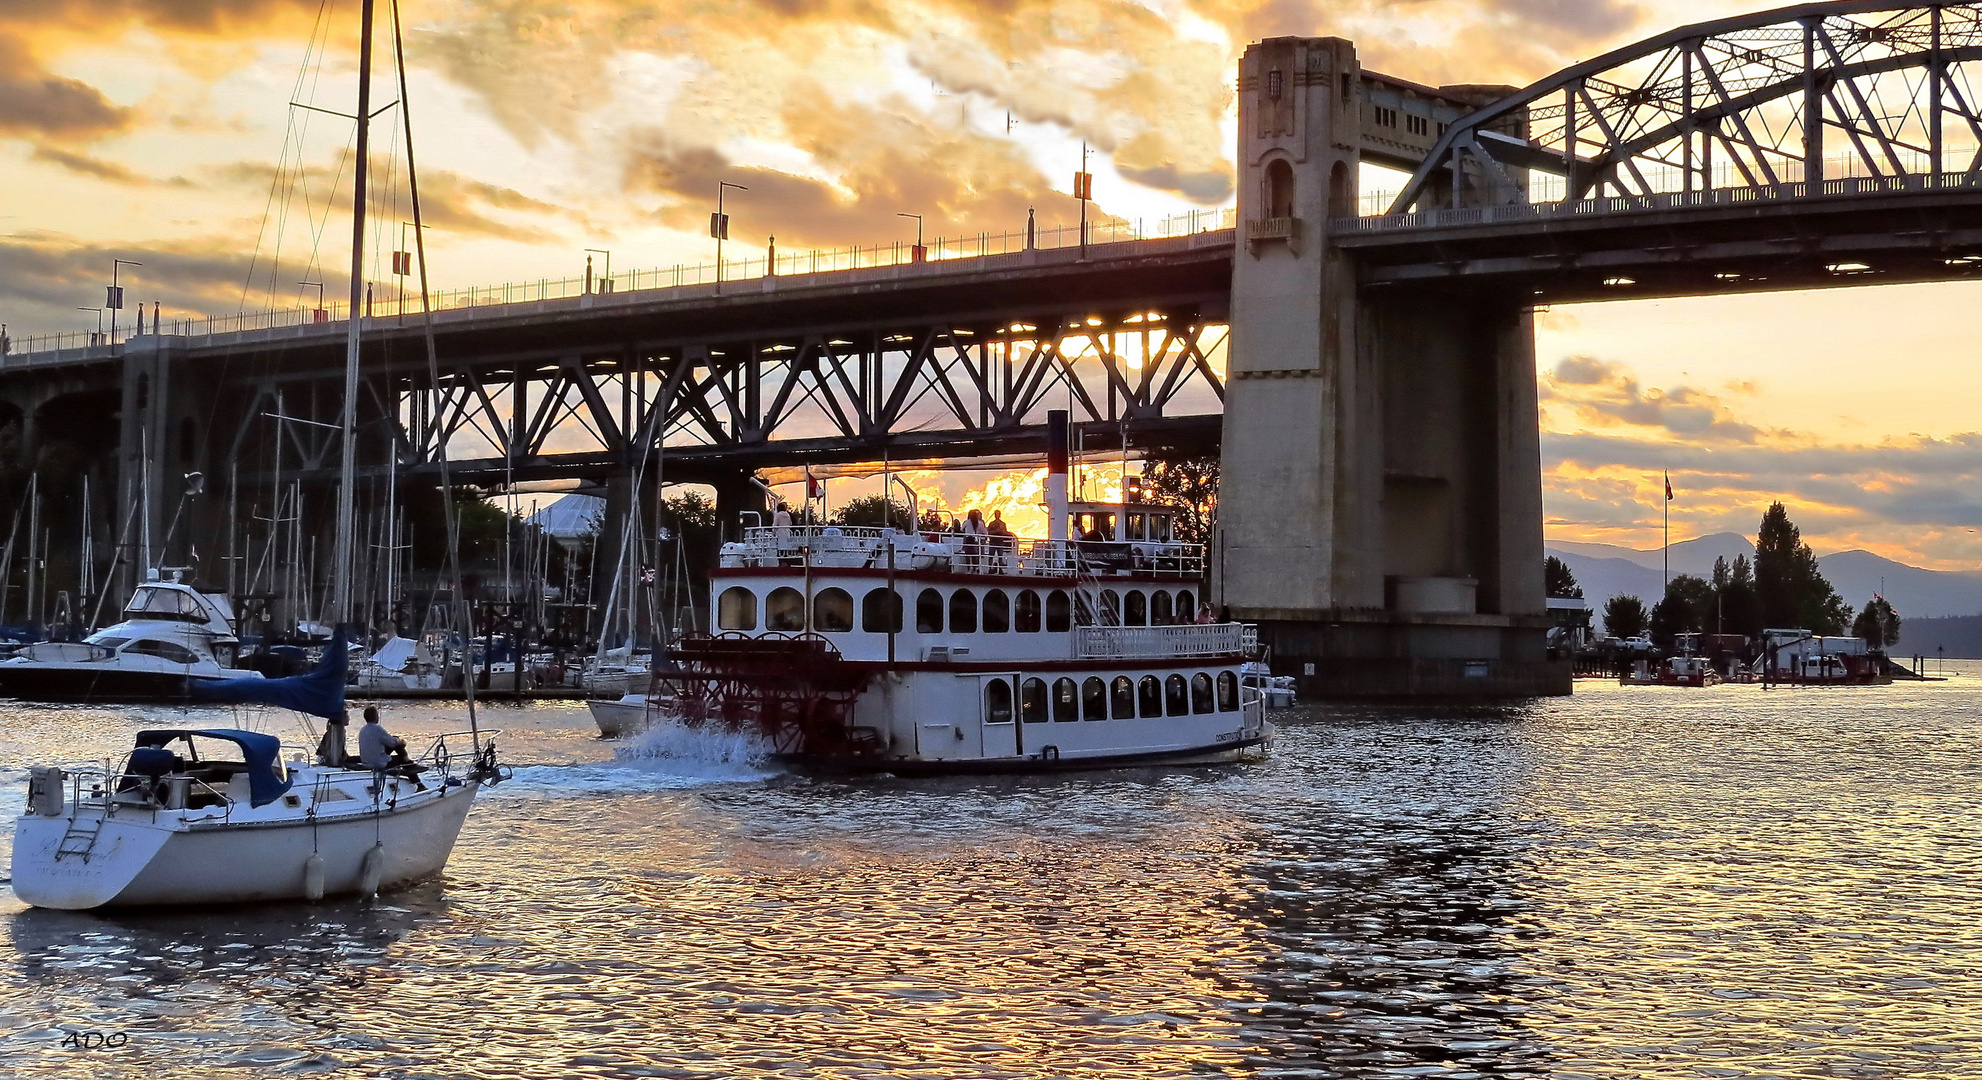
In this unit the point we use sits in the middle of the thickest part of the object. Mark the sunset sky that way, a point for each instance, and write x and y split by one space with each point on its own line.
153 129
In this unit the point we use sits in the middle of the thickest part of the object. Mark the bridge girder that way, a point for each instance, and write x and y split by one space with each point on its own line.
934 387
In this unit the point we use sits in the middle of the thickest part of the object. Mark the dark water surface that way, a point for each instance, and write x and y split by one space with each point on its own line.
1630 883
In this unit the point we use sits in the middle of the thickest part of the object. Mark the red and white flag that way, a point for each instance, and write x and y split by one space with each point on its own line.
1668 487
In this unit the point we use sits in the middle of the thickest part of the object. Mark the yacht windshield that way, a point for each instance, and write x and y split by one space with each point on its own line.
156 602
108 641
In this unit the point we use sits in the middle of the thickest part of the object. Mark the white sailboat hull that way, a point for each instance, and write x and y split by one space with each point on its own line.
629 715
139 862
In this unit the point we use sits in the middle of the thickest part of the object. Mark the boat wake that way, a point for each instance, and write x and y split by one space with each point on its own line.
664 757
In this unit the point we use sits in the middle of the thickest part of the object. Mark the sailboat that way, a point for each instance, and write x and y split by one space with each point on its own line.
206 816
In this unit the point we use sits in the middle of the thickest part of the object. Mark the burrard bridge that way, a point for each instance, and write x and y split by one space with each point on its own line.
1369 372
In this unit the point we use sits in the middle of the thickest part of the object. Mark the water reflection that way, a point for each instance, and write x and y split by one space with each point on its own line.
1653 884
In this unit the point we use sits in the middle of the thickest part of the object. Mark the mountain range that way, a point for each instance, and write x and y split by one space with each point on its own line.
1606 570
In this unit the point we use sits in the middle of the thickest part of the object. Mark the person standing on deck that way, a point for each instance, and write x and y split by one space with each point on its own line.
1000 535
973 531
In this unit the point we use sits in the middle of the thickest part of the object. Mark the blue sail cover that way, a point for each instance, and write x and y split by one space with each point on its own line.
319 693
258 750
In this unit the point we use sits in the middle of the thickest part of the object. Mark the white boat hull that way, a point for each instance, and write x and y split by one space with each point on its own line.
627 716
140 862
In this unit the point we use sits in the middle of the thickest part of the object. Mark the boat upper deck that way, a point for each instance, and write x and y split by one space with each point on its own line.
850 547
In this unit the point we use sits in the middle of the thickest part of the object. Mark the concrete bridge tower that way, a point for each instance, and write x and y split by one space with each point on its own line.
1380 512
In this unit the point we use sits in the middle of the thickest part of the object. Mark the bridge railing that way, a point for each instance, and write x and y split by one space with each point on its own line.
1514 213
389 301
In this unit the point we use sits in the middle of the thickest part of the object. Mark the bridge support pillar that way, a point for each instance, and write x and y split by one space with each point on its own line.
738 494
1380 511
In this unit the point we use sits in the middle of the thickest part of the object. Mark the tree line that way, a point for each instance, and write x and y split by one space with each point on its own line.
1781 588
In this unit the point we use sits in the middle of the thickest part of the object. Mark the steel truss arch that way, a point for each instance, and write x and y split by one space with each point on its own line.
1793 96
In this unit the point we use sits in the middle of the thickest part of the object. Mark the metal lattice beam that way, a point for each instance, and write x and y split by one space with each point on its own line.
1796 95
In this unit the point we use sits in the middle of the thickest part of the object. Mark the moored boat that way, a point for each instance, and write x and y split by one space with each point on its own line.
172 636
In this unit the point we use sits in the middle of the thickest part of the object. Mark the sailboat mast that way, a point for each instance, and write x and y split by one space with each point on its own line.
347 475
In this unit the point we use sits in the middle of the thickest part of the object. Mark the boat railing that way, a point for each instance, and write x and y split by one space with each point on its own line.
823 546
1160 642
441 757
109 789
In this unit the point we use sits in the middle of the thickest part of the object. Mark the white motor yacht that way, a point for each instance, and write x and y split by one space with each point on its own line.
172 635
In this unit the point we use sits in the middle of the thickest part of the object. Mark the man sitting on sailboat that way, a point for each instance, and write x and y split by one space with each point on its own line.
380 749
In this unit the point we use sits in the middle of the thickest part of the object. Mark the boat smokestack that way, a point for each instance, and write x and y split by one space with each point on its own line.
1058 445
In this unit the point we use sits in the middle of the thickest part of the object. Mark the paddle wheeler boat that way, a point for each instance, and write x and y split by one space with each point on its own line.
914 653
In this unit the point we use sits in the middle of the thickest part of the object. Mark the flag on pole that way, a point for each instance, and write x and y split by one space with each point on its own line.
1668 487
812 487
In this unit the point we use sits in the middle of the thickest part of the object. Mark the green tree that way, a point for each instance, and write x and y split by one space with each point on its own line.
1878 624
1188 482
1737 609
1624 617
1560 580
1688 608
1791 591
873 512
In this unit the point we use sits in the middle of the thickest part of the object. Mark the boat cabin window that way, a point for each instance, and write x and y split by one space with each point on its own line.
1201 701
784 609
1122 698
1150 696
1186 606
1176 697
997 612
929 612
1094 526
832 611
1059 612
1094 700
1066 701
1111 608
1032 701
1135 609
153 600
736 609
1083 609
1026 618
998 702
108 641
1160 613
963 612
170 651
881 612
1228 691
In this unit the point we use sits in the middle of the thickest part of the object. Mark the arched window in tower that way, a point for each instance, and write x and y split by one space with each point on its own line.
1279 189
1341 192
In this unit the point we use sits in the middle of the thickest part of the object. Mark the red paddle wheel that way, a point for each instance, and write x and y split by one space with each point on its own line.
794 691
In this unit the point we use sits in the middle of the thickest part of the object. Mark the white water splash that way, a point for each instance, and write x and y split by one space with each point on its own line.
665 757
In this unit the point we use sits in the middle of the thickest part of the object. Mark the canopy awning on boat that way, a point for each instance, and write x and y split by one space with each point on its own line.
258 750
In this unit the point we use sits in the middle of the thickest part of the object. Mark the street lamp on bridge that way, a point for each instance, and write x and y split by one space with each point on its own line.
114 299
605 283
96 338
917 253
719 228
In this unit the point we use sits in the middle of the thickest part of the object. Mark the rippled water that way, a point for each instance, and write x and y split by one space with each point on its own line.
1638 882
